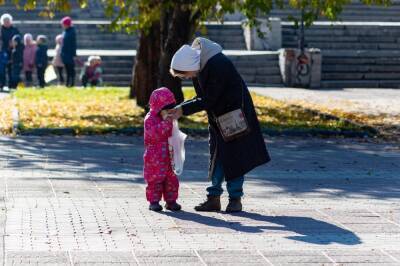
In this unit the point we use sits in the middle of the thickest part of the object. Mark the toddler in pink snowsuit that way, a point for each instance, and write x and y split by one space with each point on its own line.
158 173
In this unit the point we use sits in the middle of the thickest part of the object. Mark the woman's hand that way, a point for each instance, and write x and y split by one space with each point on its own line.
176 112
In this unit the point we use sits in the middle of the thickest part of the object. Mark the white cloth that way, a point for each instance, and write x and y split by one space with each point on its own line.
186 59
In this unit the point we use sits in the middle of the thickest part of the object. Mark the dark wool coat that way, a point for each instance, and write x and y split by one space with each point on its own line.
17 54
219 88
68 50
6 36
41 58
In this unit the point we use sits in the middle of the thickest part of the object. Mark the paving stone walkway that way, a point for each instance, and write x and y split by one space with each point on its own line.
80 201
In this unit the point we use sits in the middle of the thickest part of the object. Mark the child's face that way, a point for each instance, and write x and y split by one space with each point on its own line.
14 44
164 114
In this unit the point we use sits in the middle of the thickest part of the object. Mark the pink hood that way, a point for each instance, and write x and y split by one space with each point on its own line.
160 98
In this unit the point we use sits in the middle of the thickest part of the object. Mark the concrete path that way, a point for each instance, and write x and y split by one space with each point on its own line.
80 201
368 101
3 95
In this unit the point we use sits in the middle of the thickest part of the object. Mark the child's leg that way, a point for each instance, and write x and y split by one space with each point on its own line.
40 76
60 71
171 187
28 77
154 189
15 72
84 81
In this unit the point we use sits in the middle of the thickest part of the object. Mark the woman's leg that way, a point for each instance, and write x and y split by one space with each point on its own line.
213 202
72 72
69 75
235 187
216 180
235 190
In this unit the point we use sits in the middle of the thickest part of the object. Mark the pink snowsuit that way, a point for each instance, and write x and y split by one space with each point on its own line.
158 173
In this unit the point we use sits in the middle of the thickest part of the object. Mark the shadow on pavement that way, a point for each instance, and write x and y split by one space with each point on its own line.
331 168
308 229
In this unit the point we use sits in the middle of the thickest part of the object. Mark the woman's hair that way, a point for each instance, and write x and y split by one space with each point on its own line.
176 73
5 17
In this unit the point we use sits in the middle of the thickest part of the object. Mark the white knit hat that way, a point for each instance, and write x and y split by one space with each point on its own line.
186 59
4 17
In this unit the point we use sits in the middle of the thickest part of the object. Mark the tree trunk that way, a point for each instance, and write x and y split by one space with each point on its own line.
146 69
156 49
177 28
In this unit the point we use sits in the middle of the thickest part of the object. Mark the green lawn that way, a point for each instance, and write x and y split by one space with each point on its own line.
108 109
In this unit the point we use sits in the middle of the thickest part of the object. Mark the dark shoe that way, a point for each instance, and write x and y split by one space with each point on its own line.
212 204
173 206
155 207
234 205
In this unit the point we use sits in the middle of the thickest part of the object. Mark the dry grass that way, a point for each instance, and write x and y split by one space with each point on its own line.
108 109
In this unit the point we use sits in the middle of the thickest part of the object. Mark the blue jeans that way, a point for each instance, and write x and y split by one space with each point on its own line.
234 187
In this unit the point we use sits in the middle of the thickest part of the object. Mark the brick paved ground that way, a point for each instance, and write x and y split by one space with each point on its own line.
80 201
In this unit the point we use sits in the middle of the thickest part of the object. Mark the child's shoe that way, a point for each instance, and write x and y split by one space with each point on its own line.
173 206
155 207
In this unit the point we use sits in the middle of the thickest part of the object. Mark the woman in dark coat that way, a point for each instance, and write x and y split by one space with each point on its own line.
68 50
17 61
8 31
220 89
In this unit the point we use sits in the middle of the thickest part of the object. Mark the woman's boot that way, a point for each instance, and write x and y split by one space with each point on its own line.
212 204
234 205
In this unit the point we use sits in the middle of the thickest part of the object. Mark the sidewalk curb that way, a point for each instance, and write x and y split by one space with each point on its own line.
204 132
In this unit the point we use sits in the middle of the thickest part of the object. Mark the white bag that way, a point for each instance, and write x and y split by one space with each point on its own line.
50 74
177 148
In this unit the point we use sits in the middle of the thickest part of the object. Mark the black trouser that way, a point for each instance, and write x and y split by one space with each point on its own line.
9 73
40 76
85 81
2 76
70 74
60 73
28 78
15 76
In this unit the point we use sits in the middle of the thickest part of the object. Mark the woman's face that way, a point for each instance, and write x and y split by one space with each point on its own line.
188 75
7 23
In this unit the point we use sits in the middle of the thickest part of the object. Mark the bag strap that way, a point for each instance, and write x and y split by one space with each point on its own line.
212 113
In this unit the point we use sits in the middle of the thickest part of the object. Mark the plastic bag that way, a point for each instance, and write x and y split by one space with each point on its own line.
50 74
177 148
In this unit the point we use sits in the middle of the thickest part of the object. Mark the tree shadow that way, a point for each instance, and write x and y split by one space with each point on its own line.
309 230
330 168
